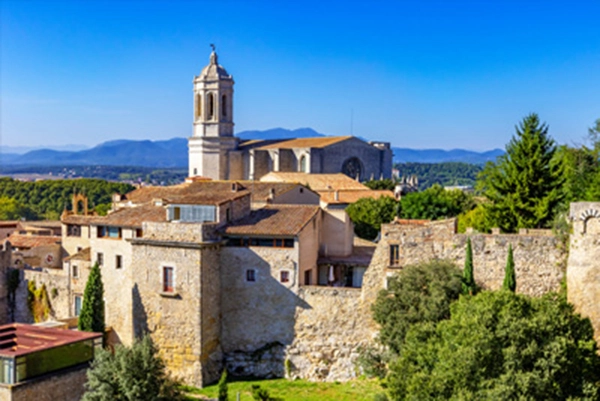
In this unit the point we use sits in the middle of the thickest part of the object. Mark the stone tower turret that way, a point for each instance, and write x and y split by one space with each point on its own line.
212 138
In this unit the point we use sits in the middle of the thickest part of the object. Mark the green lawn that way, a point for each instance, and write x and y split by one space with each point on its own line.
298 390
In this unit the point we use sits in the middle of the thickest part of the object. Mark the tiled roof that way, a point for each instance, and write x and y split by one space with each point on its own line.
199 193
277 220
316 182
351 196
133 216
320 142
9 223
84 254
31 241
79 219
42 224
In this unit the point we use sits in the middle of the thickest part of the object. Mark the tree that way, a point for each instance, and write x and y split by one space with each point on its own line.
130 374
223 396
91 317
500 346
435 203
525 185
419 293
468 285
11 209
510 281
368 214
386 183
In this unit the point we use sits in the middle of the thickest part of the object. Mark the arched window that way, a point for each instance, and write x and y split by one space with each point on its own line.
303 163
353 168
198 106
211 106
224 105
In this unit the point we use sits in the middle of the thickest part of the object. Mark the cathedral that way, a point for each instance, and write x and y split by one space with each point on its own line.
214 151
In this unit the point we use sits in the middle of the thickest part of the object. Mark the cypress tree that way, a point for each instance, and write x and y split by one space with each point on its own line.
223 396
468 285
91 317
510 281
525 185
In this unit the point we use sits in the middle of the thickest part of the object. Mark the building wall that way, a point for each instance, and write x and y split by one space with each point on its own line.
337 234
57 287
297 196
308 247
5 260
583 268
70 244
67 385
333 157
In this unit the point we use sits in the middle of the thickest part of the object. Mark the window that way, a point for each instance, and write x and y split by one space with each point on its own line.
307 277
267 242
224 105
100 258
303 164
211 106
394 255
251 275
198 106
284 276
108 232
168 283
139 233
176 213
228 215
78 303
118 261
73 231
75 271
79 249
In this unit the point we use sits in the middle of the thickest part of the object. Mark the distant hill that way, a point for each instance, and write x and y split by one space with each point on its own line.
174 152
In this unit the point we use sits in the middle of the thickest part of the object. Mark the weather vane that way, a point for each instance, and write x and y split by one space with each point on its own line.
213 47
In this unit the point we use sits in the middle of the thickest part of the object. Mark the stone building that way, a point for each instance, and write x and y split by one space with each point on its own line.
216 153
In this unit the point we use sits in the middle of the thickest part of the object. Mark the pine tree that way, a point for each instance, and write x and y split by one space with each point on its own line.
91 317
525 186
468 284
510 281
223 396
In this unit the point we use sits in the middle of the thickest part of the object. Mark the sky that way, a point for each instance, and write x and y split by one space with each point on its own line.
419 74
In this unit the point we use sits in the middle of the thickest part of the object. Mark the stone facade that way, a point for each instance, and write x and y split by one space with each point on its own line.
67 385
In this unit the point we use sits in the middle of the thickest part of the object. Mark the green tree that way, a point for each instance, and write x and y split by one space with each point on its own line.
476 218
11 209
223 396
368 214
419 293
130 374
435 203
525 185
468 284
500 346
387 183
91 317
510 281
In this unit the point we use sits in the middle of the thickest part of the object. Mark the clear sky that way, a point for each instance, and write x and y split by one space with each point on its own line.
420 74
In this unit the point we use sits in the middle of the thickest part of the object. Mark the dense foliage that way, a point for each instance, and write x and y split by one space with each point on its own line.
510 279
91 317
387 183
435 203
47 199
525 185
419 293
444 174
468 284
368 214
130 374
500 346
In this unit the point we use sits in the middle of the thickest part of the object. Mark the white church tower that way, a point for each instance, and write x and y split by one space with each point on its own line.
212 139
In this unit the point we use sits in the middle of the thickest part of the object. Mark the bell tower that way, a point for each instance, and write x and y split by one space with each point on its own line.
212 138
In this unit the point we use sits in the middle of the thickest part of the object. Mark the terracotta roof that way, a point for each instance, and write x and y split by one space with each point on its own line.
31 241
316 182
280 220
9 223
198 192
79 219
42 224
21 339
320 142
84 254
133 216
351 196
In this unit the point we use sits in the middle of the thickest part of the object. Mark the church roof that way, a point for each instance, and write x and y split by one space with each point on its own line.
320 142
213 70
279 220
316 182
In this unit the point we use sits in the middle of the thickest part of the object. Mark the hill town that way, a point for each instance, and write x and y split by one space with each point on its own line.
308 259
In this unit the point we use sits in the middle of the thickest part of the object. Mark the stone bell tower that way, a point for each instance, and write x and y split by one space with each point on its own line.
212 138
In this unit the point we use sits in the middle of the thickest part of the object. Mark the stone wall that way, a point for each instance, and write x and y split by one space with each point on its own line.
583 269
67 385
57 287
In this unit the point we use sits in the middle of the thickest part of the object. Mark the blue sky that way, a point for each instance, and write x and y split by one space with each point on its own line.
420 74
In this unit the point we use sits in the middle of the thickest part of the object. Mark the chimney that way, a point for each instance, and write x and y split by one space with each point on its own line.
336 196
271 193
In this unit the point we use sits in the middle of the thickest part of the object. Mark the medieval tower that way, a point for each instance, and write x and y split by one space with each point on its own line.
212 138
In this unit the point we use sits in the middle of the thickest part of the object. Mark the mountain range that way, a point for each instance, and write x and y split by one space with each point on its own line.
174 152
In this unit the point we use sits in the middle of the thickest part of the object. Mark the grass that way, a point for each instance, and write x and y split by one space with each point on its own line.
297 390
